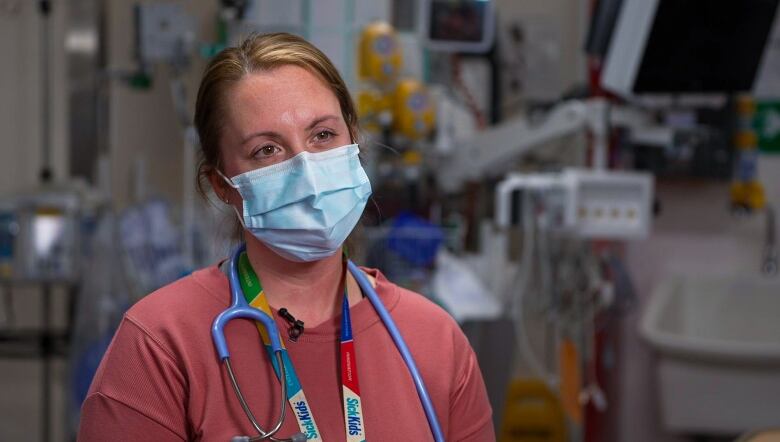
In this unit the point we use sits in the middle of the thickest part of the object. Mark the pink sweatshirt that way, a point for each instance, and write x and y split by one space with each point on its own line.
161 379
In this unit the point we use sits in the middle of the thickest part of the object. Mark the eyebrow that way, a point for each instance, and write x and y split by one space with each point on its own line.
321 120
272 134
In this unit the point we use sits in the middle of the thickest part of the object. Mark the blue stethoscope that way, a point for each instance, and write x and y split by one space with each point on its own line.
239 308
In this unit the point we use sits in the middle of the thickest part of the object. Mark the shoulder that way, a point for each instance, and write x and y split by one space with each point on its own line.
445 359
163 328
206 280
408 305
424 324
205 289
146 372
180 312
415 307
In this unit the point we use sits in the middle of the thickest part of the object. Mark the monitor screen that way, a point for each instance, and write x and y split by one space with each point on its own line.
687 46
705 46
457 20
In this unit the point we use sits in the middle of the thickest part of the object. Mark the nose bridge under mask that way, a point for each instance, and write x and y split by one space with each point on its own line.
304 207
248 177
304 175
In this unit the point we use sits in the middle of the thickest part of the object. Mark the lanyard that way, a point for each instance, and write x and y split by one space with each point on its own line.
353 409
353 412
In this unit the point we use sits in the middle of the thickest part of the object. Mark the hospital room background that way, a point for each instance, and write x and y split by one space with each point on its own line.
587 186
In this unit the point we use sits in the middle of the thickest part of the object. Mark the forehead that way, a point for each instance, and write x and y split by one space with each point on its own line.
287 92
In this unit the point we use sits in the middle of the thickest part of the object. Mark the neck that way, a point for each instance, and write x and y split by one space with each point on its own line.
311 291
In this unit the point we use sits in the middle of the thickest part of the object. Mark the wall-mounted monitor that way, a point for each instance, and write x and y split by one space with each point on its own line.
458 25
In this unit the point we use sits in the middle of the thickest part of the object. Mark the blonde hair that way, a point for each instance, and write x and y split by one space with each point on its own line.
258 53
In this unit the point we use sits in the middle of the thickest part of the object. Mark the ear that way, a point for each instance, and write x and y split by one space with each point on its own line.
221 188
354 134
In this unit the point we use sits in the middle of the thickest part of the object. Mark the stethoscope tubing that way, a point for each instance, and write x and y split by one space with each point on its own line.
262 434
239 308
395 334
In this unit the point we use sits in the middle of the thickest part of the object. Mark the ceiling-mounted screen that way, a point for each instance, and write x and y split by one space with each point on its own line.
687 46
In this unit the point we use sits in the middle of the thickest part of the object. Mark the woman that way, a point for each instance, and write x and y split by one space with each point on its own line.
275 116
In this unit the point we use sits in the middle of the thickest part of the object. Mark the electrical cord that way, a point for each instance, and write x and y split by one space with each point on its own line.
471 102
524 283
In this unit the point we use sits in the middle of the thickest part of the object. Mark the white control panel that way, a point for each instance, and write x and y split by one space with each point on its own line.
593 204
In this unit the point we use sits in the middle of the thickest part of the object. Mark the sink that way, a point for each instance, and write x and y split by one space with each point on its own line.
718 345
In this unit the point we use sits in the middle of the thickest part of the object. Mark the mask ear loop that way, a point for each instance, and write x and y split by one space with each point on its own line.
227 180
233 185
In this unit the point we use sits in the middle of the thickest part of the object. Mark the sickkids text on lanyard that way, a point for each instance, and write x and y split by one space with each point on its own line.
353 410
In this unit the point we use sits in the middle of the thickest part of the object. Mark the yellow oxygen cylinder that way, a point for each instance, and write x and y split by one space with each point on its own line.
413 113
380 57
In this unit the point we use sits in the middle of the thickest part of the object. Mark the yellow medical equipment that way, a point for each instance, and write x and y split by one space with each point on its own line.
746 191
375 109
380 57
532 414
386 101
571 380
413 112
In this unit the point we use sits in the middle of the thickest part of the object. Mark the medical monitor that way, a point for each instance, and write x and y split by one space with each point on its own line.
458 25
687 46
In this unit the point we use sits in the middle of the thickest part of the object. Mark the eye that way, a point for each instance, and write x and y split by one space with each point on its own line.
324 135
266 151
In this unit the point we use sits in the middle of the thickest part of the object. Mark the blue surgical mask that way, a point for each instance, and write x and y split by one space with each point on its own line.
305 207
